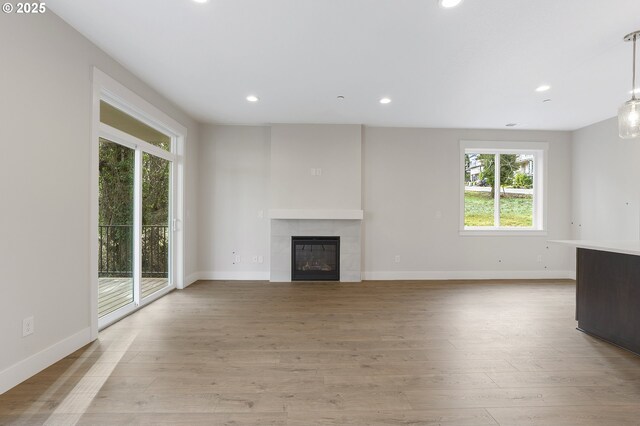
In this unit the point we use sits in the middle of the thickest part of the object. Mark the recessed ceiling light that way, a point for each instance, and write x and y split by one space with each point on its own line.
448 4
546 100
385 100
200 1
340 98
543 88
252 98
511 124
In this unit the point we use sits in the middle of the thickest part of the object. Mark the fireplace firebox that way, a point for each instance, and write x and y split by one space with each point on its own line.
315 258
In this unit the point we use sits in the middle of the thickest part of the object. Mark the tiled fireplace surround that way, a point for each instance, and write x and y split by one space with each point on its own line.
348 230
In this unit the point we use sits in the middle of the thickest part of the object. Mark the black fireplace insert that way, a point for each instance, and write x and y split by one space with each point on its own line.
315 258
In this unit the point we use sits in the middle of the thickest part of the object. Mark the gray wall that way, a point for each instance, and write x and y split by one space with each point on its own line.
412 208
410 195
46 92
234 193
605 185
334 149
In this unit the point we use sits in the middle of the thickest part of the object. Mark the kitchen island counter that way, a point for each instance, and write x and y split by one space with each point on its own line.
608 290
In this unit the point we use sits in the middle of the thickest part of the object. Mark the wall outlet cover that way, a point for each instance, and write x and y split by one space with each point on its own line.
28 326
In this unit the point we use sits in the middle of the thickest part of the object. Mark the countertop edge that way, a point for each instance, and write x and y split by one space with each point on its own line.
622 247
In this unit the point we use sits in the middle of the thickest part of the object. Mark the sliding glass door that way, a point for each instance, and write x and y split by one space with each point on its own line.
135 188
115 227
155 241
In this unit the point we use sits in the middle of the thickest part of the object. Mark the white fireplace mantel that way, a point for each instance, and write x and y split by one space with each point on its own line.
318 214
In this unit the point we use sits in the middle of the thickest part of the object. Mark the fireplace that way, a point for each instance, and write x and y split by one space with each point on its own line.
315 258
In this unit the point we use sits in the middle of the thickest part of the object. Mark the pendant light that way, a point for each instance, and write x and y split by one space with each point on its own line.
629 112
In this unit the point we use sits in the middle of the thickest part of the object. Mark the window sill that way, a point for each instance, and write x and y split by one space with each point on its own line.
503 232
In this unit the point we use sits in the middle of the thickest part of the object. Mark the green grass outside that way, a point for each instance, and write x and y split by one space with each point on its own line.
514 211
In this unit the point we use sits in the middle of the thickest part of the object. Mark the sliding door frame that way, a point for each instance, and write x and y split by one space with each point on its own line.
107 89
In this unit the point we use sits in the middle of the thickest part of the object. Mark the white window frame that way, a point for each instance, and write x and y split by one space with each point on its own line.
539 150
109 90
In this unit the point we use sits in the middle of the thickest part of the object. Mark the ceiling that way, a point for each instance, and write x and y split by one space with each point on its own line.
474 66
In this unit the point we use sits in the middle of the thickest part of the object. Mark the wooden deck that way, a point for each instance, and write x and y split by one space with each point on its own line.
114 293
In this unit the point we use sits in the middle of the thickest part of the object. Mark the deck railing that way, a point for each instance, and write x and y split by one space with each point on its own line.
115 250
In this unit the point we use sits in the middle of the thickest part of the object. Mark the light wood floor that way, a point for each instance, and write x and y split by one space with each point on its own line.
373 353
114 293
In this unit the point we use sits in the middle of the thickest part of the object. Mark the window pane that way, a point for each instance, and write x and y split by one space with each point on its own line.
478 190
156 180
115 118
115 227
516 193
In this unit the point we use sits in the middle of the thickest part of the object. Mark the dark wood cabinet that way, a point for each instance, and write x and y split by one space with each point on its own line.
608 296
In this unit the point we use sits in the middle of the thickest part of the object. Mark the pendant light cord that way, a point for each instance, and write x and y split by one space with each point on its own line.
633 89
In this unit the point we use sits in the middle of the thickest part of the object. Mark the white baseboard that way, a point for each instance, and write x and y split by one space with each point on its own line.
235 275
397 275
28 367
466 275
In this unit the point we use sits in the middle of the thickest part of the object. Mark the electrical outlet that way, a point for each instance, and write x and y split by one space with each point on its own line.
237 258
539 258
319 172
28 326
260 259
312 171
254 259
397 258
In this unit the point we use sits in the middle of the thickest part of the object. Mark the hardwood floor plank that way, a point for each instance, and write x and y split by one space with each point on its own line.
630 362
185 419
240 384
567 416
457 417
416 382
625 394
566 378
486 398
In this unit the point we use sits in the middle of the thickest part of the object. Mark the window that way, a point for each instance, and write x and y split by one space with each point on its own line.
502 187
122 121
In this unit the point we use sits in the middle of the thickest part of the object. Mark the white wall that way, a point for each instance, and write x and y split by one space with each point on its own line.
408 176
412 209
46 93
296 149
606 184
234 190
